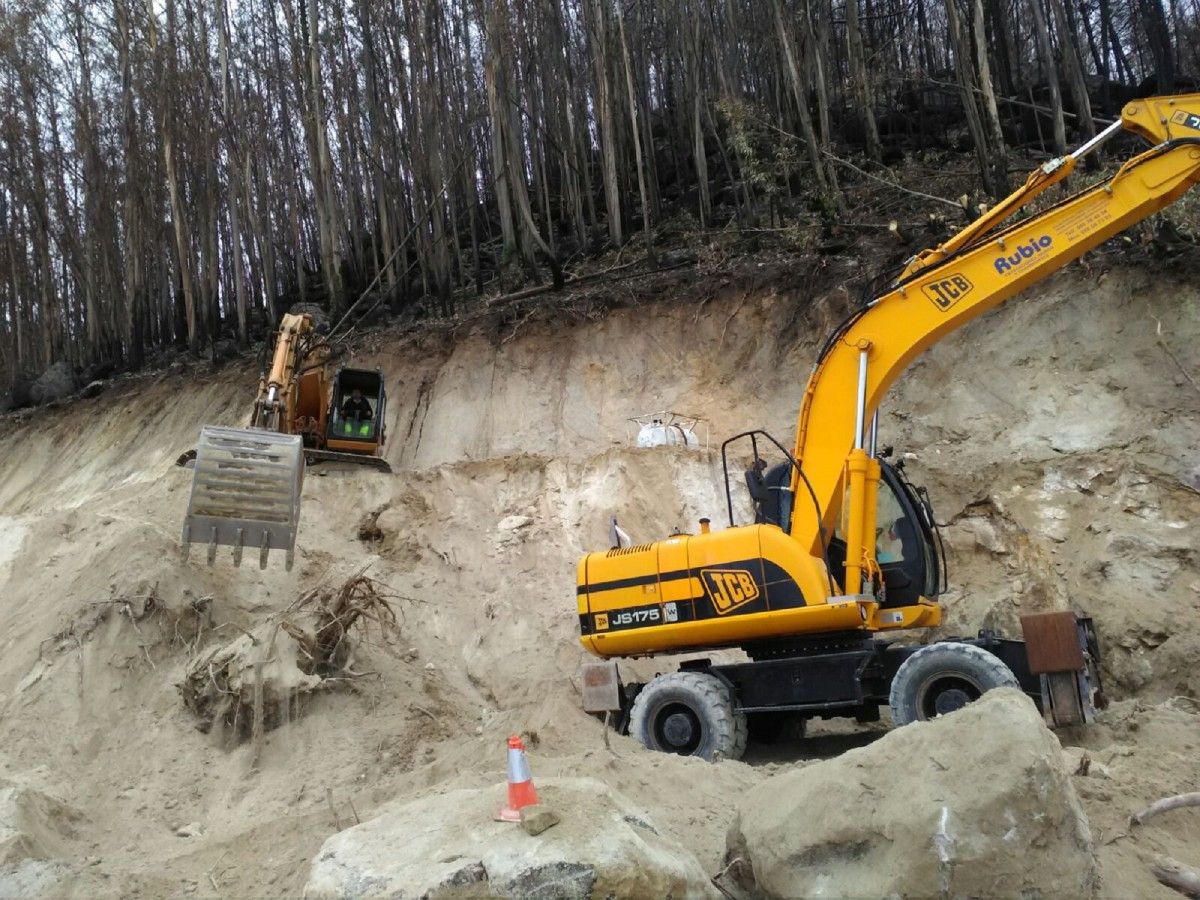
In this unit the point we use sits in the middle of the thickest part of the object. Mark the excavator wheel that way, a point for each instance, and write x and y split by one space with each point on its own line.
691 714
943 677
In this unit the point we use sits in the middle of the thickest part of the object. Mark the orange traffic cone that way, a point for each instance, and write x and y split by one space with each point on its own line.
521 791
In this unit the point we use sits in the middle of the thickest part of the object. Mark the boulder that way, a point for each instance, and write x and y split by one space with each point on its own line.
56 383
33 825
17 396
224 350
447 845
53 878
97 371
975 803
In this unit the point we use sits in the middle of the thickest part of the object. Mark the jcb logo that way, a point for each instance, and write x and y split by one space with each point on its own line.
1186 119
729 588
945 292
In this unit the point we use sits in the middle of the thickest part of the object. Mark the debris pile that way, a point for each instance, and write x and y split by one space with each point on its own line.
255 683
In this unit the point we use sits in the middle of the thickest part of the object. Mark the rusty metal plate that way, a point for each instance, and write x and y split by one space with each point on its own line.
601 687
1052 642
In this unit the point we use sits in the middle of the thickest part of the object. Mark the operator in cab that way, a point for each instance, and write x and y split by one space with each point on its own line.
356 407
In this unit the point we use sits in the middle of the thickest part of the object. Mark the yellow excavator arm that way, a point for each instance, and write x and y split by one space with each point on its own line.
943 289
768 582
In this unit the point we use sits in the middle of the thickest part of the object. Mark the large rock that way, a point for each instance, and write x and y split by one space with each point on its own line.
56 383
33 825
17 395
447 845
976 803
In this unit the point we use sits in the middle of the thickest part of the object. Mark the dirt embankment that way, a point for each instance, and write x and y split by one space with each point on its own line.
1058 437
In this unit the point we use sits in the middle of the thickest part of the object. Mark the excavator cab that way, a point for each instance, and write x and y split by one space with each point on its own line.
908 545
356 432
907 542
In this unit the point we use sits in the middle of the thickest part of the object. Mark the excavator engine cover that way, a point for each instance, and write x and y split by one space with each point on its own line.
245 492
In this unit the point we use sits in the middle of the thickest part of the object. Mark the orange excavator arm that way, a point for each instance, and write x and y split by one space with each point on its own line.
275 407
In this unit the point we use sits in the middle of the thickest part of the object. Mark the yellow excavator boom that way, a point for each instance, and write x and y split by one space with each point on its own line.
941 291
765 582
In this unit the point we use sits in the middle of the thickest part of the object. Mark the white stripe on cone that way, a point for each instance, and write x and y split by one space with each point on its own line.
518 767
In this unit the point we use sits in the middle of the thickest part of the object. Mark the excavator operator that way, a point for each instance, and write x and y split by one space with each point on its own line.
356 413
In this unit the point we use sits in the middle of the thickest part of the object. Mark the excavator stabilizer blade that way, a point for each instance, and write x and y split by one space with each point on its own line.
245 492
354 459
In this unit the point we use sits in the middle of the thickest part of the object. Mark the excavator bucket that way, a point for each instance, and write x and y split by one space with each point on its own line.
245 492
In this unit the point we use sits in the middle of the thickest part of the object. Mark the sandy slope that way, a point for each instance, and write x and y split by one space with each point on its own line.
1057 436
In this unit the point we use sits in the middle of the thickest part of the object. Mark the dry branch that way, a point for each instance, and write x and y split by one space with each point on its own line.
1177 876
1166 804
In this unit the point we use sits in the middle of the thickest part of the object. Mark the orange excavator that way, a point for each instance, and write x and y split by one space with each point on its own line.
844 550
247 481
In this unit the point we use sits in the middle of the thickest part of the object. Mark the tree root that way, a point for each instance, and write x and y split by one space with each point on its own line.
1166 804
1177 876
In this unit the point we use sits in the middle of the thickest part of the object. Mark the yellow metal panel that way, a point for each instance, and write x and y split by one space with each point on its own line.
720 547
623 598
787 553
924 614
681 589
673 557
715 632
581 600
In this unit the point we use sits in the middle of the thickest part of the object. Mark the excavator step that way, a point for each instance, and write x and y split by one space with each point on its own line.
245 492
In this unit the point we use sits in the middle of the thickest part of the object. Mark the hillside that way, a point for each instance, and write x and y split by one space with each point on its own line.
1058 437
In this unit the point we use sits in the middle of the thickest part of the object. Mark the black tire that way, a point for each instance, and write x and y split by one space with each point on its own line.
690 714
944 677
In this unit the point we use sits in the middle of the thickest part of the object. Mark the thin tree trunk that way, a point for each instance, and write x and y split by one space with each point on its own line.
826 181
860 83
598 28
636 133
1073 65
1050 73
183 243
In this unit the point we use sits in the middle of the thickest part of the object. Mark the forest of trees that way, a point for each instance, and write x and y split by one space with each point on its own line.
174 173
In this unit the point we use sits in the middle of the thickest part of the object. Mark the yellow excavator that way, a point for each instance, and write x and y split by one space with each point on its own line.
843 548
247 481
